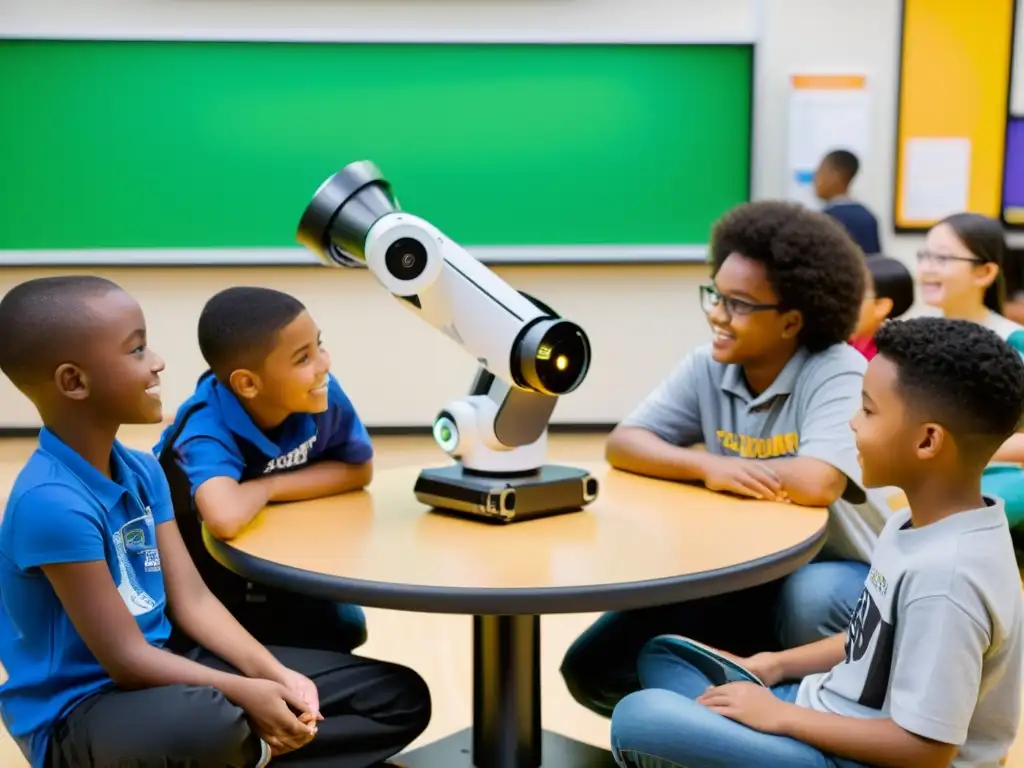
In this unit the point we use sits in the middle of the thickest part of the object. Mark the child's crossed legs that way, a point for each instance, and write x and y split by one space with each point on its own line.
663 726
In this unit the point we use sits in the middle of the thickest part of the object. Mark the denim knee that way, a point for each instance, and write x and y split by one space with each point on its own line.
657 654
640 728
817 601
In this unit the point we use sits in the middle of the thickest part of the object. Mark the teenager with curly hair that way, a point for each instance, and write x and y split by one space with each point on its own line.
769 399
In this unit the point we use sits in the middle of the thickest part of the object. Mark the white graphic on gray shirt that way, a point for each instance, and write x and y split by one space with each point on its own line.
935 642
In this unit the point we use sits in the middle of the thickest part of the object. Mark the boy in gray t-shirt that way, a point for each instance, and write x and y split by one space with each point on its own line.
929 671
770 401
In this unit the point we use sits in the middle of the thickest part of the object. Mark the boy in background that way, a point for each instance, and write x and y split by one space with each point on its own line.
832 181
267 423
93 568
889 294
929 671
770 399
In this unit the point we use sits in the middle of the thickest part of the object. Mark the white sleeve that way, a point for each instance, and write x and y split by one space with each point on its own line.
937 669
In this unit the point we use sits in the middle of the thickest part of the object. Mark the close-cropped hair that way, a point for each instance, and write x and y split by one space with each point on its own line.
239 327
43 321
812 264
844 161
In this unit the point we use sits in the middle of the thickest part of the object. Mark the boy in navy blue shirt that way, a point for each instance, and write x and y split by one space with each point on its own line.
92 566
832 181
267 423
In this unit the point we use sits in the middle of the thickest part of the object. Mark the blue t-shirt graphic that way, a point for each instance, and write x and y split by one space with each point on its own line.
220 439
63 510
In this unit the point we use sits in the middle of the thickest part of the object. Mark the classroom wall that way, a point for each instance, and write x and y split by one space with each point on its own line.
641 319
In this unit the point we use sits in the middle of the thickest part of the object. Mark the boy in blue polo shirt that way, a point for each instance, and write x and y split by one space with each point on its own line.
92 566
267 423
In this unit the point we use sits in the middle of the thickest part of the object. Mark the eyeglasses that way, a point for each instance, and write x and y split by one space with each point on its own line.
942 259
711 298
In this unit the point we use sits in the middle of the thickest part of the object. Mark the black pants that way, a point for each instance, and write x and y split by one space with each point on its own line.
279 618
372 710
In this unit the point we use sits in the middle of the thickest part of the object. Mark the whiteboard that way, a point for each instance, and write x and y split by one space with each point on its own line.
1017 83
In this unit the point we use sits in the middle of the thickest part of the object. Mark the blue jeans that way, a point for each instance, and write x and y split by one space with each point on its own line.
814 602
663 727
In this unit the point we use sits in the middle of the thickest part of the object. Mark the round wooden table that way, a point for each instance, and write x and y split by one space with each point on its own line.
642 543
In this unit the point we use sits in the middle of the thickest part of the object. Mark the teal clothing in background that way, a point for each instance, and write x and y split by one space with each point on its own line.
1016 340
1006 480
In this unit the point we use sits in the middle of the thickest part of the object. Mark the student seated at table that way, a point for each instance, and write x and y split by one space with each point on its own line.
770 399
267 423
93 569
832 181
888 294
960 271
928 673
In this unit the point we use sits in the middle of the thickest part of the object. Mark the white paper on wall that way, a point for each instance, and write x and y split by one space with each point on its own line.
936 177
826 112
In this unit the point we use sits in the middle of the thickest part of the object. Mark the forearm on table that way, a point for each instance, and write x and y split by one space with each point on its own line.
325 478
227 506
810 659
638 450
809 482
872 741
204 619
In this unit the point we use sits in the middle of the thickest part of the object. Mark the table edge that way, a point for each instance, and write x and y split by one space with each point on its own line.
589 598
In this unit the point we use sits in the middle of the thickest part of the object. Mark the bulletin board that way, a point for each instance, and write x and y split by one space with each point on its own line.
954 102
1013 186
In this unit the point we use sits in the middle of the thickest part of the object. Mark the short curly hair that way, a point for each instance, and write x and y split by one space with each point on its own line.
813 265
959 373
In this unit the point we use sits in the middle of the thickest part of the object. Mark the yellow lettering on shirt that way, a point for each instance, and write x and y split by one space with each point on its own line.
749 447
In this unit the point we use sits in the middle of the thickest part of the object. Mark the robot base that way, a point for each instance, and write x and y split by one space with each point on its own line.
551 490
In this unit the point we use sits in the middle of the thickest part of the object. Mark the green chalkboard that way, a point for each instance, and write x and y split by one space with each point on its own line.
176 144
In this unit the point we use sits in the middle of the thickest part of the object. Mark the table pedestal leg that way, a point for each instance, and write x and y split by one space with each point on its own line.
506 730
506 691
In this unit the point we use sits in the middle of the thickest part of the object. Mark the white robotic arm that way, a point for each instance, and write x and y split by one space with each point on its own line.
528 355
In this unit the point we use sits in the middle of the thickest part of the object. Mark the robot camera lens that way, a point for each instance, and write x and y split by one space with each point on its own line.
552 357
406 258
446 434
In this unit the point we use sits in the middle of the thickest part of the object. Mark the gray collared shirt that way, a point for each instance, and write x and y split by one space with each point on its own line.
805 412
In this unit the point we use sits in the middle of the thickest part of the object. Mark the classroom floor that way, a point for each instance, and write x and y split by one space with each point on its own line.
442 651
